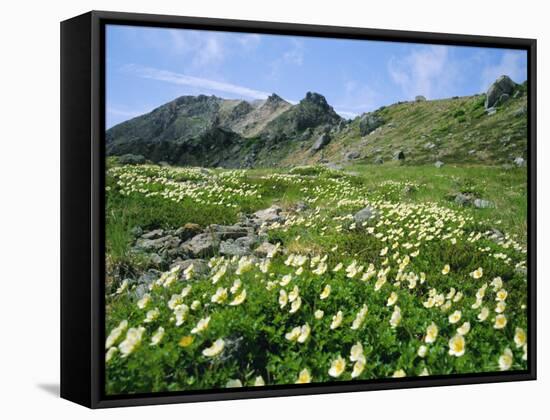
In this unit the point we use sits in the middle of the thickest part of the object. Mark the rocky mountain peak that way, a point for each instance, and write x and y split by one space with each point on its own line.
274 99
316 99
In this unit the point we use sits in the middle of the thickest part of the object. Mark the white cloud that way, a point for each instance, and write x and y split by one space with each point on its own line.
294 56
204 48
512 64
249 41
425 71
195 82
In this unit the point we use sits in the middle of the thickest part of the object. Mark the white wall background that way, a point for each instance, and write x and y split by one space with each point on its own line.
29 209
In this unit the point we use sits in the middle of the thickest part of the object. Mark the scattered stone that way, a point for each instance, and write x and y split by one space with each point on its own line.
364 215
503 85
153 234
201 245
300 206
429 146
491 111
399 155
321 142
438 164
228 232
233 248
158 244
519 161
378 160
482 204
187 231
136 231
463 199
271 214
369 122
352 155
472 152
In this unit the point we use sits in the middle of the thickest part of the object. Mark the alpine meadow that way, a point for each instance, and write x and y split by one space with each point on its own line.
256 240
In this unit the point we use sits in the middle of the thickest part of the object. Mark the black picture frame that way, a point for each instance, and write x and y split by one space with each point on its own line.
82 205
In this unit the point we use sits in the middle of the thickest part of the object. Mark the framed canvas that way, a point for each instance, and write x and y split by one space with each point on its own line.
257 209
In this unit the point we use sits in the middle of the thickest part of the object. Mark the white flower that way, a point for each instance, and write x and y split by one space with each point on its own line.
422 350
338 267
501 295
520 337
122 287
244 265
358 368
326 292
360 318
431 333
181 312
220 296
195 305
142 303
215 349
201 325
110 353
477 274
496 283
506 359
336 320
293 334
319 313
188 272
295 305
238 299
285 280
259 381
234 383
236 286
151 315
356 352
446 269
283 298
500 322
132 340
294 294
337 367
157 336
174 301
392 299
400 373
304 377
304 333
464 328
115 333
321 269
455 317
482 316
457 345
395 317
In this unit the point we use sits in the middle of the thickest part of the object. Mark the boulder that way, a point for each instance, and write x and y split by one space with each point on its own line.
352 155
502 86
201 245
234 248
420 98
153 234
364 215
369 122
321 142
158 244
378 160
463 199
271 214
482 204
187 231
399 155
519 161
223 232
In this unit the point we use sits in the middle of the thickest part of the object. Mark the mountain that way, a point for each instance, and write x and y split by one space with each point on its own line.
211 131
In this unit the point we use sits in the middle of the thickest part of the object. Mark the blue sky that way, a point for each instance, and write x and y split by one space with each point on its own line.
147 67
